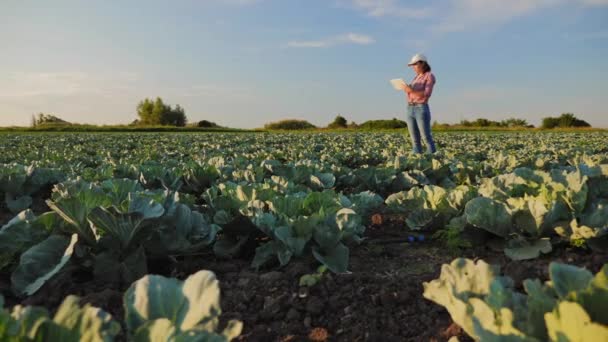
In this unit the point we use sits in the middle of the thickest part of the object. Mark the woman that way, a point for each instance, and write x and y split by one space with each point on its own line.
418 116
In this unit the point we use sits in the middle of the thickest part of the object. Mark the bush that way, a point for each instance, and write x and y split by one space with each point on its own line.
383 124
290 125
565 120
47 119
509 123
437 125
339 122
550 122
158 113
206 124
514 122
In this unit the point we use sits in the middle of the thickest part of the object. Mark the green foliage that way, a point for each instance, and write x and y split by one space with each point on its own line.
570 322
41 262
550 122
310 280
383 124
578 235
19 183
317 222
156 308
290 125
452 238
515 122
132 198
527 206
429 206
117 225
158 113
18 235
71 323
481 122
490 215
564 121
339 122
486 306
507 123
459 282
206 124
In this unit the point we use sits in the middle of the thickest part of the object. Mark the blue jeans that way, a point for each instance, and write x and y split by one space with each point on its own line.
418 119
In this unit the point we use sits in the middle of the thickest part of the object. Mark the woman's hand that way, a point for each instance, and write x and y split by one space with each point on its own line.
407 88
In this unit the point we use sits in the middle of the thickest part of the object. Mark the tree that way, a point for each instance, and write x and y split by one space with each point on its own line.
206 124
564 121
482 123
383 124
289 124
43 119
339 122
569 120
513 122
550 122
144 111
158 109
466 123
174 117
158 113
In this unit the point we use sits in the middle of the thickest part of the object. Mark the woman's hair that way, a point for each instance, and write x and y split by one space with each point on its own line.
425 66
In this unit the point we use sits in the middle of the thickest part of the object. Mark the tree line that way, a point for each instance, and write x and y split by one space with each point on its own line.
566 120
157 113
563 121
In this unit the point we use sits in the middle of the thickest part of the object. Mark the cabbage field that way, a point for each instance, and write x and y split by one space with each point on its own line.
303 236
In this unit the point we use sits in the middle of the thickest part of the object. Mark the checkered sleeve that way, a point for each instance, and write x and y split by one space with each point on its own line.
429 83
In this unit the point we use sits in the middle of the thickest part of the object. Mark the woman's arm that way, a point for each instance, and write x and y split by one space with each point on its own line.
410 91
426 92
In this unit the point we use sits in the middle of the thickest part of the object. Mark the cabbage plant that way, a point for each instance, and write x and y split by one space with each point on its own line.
569 307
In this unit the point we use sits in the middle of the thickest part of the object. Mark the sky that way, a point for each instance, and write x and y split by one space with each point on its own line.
243 63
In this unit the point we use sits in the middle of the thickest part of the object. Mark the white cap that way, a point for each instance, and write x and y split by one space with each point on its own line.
417 58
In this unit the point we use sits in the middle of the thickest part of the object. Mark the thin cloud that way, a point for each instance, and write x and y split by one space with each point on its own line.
238 2
460 15
25 84
594 2
216 91
36 84
349 38
467 14
385 8
418 44
585 36
484 93
470 14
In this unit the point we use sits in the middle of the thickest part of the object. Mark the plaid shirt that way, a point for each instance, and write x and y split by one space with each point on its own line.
423 82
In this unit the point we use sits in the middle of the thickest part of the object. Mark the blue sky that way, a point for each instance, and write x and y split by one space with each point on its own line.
242 63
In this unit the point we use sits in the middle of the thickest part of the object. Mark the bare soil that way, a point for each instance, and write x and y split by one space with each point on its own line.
379 300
